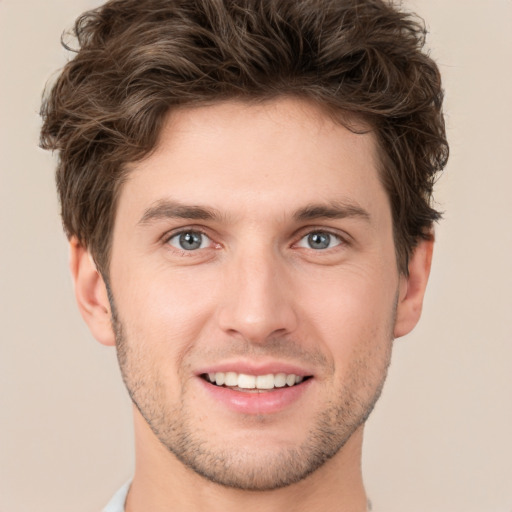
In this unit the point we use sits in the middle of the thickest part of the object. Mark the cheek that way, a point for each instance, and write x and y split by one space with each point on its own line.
352 313
164 315
356 327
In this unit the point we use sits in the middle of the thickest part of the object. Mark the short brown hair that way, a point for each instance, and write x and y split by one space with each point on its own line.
137 59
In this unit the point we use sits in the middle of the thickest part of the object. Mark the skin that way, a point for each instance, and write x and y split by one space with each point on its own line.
255 293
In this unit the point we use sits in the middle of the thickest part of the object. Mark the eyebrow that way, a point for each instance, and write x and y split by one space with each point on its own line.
332 210
170 209
167 209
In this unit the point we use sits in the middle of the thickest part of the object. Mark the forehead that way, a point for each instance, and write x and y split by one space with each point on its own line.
269 157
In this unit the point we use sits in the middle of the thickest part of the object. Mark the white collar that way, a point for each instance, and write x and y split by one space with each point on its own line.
116 504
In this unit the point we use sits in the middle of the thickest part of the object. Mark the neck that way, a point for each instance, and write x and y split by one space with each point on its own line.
162 484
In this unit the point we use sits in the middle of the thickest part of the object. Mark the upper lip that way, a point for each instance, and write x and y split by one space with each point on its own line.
256 368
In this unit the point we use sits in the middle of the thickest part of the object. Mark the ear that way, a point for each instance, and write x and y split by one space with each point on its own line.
412 288
91 293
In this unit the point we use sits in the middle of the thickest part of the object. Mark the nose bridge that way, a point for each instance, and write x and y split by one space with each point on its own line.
257 300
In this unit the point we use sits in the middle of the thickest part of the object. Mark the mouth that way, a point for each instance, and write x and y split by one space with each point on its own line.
254 383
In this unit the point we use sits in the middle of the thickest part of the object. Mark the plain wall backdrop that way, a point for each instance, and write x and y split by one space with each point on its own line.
440 437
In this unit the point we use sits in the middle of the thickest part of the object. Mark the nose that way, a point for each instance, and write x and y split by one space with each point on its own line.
258 301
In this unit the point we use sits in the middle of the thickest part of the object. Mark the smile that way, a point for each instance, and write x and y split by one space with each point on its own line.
243 381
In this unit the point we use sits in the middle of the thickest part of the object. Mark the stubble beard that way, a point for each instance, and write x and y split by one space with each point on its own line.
250 468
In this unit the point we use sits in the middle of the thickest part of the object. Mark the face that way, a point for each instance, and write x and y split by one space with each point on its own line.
254 286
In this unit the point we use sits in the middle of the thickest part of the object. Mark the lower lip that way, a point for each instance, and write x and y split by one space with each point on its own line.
263 402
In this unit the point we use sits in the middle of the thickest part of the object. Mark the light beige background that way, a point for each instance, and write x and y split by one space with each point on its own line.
440 439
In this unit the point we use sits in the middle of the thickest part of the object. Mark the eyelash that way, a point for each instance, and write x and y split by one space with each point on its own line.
341 240
183 252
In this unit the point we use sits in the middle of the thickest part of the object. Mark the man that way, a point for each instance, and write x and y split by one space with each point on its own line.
246 186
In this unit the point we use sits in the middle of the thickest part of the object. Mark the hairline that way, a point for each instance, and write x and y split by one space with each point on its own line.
355 122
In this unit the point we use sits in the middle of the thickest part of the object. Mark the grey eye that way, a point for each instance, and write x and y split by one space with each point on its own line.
319 240
189 240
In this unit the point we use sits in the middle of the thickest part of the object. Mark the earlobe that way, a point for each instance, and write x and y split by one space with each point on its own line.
91 293
412 288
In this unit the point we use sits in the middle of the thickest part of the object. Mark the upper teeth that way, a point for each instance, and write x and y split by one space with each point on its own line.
244 381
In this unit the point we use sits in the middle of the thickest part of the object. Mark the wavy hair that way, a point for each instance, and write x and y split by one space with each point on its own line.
138 59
